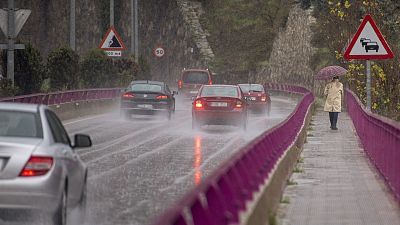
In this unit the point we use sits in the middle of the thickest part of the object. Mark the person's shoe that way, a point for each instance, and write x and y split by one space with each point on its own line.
334 128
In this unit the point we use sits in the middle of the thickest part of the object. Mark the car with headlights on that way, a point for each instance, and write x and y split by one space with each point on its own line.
191 81
40 171
148 98
219 105
257 98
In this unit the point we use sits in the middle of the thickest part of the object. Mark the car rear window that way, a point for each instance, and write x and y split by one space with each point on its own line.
20 124
195 78
252 87
213 91
145 87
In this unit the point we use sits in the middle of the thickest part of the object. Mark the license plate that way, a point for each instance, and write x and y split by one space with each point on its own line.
194 92
219 104
145 106
251 98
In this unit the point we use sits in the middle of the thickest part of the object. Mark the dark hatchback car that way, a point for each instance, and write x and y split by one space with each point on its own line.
257 98
147 98
219 105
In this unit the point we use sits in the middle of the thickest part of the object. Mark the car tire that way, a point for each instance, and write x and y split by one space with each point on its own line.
60 217
83 202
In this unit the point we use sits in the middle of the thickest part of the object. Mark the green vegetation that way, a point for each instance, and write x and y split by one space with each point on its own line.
290 182
6 89
97 70
337 22
63 69
66 71
297 169
242 32
285 200
272 220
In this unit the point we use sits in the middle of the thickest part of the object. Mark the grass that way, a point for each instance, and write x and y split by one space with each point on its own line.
285 200
297 169
272 220
291 182
300 160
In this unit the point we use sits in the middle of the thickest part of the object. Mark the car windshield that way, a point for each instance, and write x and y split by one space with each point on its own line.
195 78
145 88
211 91
251 87
20 124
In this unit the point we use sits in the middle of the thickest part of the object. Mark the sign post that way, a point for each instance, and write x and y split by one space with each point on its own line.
11 23
112 43
368 43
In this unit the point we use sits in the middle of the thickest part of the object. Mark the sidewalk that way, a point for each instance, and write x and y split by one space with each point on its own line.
337 185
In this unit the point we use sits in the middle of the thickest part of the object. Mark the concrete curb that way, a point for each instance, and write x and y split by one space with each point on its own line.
78 109
268 199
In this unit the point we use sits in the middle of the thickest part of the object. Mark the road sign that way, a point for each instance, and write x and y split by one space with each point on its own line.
112 41
368 43
159 52
113 53
21 16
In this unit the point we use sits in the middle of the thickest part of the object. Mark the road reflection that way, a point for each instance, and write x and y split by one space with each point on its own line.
197 159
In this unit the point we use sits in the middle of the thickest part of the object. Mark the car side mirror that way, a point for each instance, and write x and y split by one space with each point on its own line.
82 141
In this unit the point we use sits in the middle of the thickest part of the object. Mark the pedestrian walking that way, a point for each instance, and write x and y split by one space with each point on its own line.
333 104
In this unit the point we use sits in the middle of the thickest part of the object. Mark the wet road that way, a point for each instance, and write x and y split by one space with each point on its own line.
138 168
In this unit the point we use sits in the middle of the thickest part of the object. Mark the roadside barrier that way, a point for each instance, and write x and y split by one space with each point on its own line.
223 195
380 138
57 98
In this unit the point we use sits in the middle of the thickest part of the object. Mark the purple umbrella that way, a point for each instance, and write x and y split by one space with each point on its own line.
329 72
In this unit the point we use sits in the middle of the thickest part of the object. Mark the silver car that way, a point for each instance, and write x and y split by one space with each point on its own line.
40 172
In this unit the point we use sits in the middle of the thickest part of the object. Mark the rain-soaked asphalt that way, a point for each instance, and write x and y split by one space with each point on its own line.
139 167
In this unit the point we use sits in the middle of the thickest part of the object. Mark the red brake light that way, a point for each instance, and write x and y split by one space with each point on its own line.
210 82
37 166
239 104
180 83
264 98
198 104
162 97
128 95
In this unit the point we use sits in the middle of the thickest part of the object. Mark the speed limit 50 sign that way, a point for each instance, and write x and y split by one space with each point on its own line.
159 52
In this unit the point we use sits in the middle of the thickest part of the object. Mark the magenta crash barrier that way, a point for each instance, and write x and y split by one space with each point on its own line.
56 98
221 196
380 138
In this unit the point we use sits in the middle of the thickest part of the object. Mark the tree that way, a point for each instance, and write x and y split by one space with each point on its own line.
337 22
127 70
97 70
63 69
28 70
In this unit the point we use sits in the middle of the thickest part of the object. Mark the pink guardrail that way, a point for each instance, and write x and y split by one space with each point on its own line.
56 98
223 195
380 138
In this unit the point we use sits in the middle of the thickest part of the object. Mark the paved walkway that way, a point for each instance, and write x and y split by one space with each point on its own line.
336 185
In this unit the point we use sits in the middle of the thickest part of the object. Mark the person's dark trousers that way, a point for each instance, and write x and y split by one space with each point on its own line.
333 117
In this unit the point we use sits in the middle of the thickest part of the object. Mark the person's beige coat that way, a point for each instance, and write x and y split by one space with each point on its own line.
334 93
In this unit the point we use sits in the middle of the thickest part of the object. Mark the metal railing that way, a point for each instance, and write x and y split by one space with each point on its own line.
380 138
62 97
223 195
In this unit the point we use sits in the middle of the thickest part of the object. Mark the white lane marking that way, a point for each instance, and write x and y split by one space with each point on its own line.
77 121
